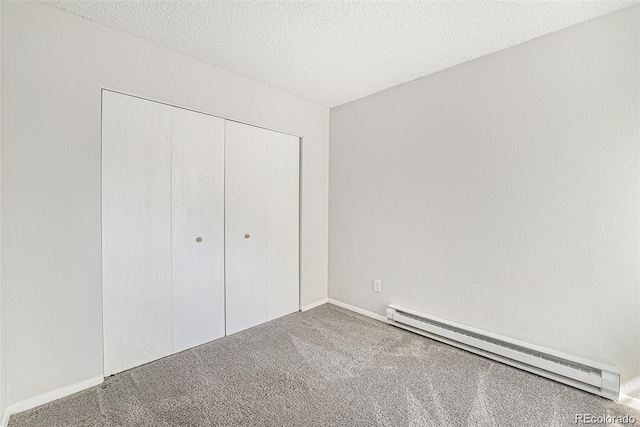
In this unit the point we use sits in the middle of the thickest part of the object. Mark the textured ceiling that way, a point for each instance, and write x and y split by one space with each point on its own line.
332 52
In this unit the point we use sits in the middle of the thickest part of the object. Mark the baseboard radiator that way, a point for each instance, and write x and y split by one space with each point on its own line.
584 374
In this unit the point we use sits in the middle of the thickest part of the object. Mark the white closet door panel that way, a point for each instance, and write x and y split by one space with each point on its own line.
198 228
245 167
282 214
136 237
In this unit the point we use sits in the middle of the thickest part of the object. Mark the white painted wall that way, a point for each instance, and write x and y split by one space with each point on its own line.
56 65
3 336
501 193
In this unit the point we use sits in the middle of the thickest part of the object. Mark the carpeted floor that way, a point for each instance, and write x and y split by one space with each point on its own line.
323 367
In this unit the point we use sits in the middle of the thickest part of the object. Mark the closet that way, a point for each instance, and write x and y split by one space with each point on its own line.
200 228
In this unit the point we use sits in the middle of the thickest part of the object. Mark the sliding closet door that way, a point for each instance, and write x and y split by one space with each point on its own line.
245 223
282 213
198 228
136 231
262 211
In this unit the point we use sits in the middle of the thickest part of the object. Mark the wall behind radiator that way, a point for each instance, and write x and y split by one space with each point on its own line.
3 312
51 224
501 193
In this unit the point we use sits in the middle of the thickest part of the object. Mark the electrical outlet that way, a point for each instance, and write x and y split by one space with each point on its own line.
377 285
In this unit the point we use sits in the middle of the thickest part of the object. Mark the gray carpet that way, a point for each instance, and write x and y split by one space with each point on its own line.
324 367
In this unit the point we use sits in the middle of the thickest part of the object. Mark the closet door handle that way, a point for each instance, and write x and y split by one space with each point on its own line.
198 239
246 236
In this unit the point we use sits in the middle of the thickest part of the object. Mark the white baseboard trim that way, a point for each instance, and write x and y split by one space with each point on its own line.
49 397
629 401
357 310
5 419
315 304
